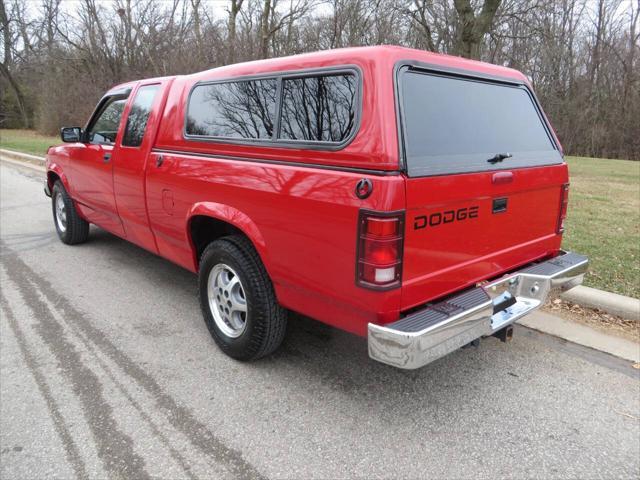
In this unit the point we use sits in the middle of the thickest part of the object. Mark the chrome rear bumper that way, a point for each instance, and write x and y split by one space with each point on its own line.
440 328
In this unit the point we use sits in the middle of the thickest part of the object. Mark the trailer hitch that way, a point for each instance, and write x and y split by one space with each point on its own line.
505 334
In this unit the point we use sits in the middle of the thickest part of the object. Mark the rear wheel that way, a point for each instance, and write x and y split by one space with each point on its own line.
70 226
237 300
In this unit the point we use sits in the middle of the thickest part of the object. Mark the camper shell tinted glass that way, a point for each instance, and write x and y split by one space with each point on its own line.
454 124
233 109
318 108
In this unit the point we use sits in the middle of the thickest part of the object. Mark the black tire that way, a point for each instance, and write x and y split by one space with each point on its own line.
76 229
265 320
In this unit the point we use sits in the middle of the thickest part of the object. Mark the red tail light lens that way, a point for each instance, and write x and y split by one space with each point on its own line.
564 201
380 240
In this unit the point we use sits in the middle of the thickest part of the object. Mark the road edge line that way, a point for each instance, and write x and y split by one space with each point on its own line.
22 164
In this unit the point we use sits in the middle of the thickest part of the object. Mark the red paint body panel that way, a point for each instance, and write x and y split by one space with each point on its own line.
298 205
449 256
295 216
129 175
91 179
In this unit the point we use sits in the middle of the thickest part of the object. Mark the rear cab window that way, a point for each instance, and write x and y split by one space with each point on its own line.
453 124
320 109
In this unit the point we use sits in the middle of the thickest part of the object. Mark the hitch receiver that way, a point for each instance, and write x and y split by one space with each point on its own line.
505 334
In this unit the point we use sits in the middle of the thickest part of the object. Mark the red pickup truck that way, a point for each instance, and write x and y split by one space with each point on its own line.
413 198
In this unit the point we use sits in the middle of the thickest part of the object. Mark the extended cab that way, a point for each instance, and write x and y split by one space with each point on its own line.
413 198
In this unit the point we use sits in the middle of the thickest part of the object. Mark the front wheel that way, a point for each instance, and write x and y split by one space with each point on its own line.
70 226
237 300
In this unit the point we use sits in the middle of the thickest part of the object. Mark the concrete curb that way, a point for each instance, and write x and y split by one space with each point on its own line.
611 303
582 335
21 156
23 164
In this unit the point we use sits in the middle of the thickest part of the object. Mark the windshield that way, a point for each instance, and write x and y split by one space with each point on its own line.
458 125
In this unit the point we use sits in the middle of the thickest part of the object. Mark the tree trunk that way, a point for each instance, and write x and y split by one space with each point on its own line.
265 30
197 27
6 35
22 106
236 5
6 65
472 28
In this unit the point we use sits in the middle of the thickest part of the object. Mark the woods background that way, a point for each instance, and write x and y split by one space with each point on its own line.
59 57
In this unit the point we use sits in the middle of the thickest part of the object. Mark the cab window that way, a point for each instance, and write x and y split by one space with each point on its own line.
104 128
139 116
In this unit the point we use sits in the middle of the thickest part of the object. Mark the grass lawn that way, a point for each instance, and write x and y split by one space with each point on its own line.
603 220
27 141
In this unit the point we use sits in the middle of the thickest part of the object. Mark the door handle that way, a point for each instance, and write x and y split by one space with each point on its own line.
159 161
106 157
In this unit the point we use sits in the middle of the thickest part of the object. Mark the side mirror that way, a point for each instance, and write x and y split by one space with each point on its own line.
70 134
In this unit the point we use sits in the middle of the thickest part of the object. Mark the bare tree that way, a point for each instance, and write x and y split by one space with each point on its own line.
273 20
473 27
8 44
234 9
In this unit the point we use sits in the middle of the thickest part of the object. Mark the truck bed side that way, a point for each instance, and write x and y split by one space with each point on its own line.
298 206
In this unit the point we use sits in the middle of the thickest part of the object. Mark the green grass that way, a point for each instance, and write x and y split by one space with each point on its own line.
603 220
27 141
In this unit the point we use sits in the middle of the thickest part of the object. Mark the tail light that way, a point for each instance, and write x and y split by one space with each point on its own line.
379 254
564 201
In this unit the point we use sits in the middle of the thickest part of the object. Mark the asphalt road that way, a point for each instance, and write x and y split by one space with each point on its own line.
107 371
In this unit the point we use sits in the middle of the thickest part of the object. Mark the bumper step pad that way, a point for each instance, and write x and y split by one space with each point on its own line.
441 311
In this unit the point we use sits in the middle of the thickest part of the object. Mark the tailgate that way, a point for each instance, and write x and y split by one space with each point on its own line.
484 182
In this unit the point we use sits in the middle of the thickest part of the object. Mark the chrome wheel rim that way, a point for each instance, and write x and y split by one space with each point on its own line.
227 300
61 213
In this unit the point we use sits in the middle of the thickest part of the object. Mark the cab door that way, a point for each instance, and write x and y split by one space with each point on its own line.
92 165
130 163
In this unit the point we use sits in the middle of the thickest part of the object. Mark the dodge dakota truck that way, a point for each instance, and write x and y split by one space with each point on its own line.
413 198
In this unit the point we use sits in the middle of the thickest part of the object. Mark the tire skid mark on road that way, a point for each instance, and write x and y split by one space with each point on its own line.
178 416
115 448
5 208
28 241
23 170
135 404
70 447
